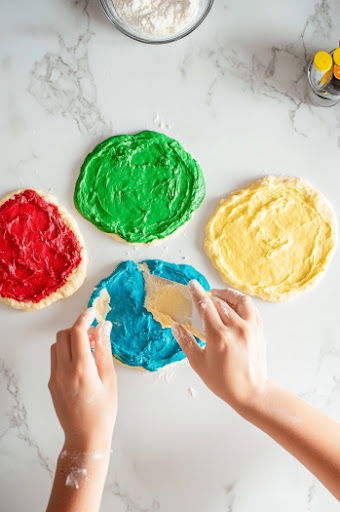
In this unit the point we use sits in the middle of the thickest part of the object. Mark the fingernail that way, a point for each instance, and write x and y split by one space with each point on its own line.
195 285
107 327
176 331
89 312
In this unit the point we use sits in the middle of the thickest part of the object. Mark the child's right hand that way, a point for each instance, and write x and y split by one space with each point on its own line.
233 365
233 362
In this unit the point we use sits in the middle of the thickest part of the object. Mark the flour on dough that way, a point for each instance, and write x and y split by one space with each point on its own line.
102 305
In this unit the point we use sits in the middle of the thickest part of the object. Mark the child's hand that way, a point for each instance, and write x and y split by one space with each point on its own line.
83 388
233 362
233 365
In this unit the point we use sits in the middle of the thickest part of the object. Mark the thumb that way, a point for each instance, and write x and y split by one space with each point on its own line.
189 346
102 346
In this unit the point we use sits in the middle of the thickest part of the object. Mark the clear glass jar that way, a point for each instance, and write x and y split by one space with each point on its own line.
327 96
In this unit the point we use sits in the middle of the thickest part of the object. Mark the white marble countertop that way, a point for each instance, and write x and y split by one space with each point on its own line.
234 94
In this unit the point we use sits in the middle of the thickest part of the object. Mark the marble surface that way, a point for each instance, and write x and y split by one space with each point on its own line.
234 93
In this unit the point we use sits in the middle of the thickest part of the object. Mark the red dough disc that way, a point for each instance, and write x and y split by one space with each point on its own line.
38 250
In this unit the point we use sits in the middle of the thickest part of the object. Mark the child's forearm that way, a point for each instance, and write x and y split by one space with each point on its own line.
79 480
233 365
307 433
84 394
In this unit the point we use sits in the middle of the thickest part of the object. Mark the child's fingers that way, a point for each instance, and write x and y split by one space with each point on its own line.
63 348
242 304
205 307
79 336
53 352
228 316
189 346
103 354
85 320
91 334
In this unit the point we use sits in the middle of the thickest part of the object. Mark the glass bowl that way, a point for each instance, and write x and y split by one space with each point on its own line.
120 24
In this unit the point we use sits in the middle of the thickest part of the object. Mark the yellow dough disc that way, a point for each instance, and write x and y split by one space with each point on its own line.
273 238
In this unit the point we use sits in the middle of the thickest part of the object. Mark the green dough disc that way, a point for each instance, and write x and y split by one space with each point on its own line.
140 187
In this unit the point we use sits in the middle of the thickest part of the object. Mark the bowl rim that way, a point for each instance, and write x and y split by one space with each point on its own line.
141 39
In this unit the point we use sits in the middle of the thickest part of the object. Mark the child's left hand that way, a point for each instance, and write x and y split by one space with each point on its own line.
83 387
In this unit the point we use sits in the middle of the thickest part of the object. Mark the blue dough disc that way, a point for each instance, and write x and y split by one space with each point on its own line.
136 338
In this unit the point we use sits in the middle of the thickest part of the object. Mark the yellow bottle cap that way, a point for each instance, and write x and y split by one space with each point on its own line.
323 61
336 57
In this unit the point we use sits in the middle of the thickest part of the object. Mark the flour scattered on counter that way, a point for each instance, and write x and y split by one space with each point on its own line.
192 392
161 124
166 374
157 17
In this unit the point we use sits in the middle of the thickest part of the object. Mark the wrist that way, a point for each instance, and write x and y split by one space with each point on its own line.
79 464
72 457
89 444
256 405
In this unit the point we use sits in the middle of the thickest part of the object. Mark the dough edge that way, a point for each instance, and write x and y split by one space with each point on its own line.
154 243
144 370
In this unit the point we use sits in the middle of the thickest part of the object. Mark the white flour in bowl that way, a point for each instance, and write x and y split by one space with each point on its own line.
157 17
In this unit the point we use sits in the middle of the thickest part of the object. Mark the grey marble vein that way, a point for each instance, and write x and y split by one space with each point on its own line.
321 399
55 50
278 73
17 417
130 504
230 496
63 83
318 23
311 494
185 63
